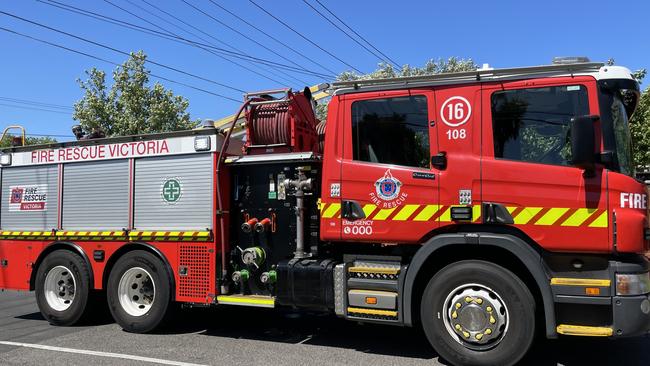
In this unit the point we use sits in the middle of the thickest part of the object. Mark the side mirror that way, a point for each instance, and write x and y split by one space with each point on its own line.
582 142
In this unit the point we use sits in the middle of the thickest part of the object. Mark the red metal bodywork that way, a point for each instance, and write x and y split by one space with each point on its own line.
558 207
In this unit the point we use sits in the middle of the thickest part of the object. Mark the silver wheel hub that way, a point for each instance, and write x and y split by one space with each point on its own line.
475 316
60 287
136 291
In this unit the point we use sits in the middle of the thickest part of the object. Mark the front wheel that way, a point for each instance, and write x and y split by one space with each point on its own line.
139 292
478 313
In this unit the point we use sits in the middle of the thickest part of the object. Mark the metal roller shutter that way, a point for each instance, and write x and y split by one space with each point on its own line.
173 193
19 215
96 195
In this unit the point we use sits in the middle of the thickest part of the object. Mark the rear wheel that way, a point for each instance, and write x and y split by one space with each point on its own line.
478 313
62 287
139 292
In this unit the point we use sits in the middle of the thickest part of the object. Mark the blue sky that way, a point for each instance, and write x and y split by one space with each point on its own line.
501 33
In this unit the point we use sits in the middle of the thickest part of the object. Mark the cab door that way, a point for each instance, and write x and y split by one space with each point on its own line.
527 163
389 192
459 140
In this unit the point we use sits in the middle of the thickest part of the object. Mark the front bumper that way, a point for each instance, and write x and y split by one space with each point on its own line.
586 303
631 315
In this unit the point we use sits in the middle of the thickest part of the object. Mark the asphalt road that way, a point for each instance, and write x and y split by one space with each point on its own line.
236 335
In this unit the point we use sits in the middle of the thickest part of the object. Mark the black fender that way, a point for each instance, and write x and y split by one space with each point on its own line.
531 259
138 245
56 246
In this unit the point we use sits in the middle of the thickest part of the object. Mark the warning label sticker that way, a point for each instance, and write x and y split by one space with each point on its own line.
28 198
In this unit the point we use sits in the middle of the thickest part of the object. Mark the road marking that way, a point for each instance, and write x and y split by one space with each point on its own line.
100 354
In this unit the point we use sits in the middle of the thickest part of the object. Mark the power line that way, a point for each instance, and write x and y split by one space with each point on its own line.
121 52
177 35
273 38
216 39
41 135
242 55
35 103
241 34
166 35
343 31
303 37
33 108
116 64
357 34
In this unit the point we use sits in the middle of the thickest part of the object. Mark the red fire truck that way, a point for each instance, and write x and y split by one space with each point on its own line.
485 206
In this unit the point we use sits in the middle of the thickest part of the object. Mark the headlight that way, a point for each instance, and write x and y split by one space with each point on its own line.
632 284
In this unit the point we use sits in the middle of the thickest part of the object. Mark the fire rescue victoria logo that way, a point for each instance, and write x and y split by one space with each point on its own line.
388 192
171 190
28 198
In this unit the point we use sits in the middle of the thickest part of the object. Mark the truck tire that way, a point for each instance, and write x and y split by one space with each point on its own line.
478 313
139 292
62 287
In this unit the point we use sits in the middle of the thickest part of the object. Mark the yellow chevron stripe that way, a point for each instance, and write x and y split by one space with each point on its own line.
369 209
551 216
331 210
446 216
526 215
405 212
383 214
601 221
511 209
427 212
476 213
578 217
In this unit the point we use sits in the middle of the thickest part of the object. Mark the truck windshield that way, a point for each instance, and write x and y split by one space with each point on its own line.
622 136
616 130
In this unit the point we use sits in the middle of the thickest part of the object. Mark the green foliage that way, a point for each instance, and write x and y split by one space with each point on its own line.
640 130
384 71
6 142
439 66
130 106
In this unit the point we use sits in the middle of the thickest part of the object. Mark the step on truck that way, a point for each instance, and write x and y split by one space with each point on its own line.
487 207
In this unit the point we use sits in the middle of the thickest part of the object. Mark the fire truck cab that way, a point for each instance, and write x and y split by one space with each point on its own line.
485 206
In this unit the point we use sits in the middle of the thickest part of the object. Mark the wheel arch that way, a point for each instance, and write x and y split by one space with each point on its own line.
110 263
60 245
507 250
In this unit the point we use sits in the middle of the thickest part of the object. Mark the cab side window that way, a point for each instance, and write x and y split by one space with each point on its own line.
391 131
533 124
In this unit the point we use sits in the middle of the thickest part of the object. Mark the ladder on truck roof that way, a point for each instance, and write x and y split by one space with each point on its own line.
486 74
324 90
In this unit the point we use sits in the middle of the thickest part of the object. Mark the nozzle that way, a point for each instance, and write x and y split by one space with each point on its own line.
247 227
263 225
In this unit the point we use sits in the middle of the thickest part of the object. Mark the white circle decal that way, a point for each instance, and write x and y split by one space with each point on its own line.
455 111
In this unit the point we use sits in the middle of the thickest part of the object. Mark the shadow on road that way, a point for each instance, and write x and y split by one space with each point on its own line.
329 331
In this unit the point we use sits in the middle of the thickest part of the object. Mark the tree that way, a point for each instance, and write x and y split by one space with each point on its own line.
130 106
385 71
6 142
640 130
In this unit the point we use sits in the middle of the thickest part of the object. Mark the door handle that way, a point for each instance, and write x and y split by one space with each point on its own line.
439 161
352 211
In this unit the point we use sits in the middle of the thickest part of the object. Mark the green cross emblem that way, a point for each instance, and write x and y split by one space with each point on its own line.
171 190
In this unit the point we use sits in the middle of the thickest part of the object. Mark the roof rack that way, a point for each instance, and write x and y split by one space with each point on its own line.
470 76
